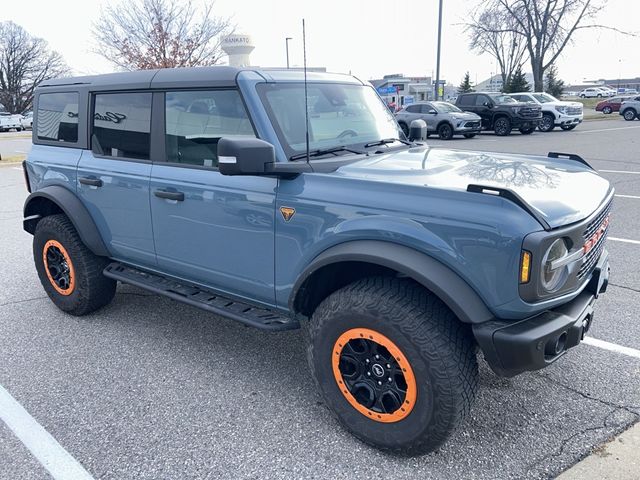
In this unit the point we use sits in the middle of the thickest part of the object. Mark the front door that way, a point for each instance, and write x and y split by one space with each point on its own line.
113 177
484 108
209 228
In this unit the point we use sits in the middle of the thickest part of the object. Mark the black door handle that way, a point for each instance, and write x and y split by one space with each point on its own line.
91 181
179 196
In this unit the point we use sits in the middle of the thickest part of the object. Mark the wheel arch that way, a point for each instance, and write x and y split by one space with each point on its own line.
347 262
441 122
55 199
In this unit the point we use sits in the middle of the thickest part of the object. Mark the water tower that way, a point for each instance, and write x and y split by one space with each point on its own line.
238 48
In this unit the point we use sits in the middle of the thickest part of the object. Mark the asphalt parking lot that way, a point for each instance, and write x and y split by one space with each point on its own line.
149 388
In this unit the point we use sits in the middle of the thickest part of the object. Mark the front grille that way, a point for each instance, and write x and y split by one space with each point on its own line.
472 124
592 256
574 110
531 112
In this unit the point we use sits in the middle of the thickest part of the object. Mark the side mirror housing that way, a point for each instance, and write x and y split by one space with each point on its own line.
488 104
433 111
244 156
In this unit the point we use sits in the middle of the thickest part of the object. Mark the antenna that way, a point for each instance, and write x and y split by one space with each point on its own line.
306 99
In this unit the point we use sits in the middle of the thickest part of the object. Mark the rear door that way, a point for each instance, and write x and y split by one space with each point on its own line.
113 177
209 228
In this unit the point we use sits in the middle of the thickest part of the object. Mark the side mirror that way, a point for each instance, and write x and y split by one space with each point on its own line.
433 111
487 104
244 156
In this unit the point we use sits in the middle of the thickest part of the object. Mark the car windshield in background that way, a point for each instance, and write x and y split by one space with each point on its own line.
444 107
544 98
503 99
339 115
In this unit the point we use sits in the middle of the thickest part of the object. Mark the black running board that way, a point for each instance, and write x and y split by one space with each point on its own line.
258 317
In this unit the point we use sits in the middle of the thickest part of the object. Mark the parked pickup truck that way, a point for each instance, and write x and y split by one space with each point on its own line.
501 113
9 121
555 113
209 186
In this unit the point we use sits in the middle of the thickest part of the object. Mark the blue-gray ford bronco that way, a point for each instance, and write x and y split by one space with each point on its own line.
272 201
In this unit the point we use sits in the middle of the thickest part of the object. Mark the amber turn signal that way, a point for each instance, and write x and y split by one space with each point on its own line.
525 267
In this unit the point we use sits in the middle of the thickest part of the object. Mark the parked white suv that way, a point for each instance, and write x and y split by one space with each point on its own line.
27 121
593 92
555 113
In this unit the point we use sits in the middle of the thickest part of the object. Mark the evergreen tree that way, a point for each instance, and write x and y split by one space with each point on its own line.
517 83
554 86
466 85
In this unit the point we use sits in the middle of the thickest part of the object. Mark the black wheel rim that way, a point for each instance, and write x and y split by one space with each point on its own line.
58 268
372 376
547 123
445 132
501 127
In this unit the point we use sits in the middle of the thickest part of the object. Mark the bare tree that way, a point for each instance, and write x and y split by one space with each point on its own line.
160 34
25 62
546 27
492 30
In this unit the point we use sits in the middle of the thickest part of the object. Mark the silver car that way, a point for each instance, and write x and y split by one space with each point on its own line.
442 118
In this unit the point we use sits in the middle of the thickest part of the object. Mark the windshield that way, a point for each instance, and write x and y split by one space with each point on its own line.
544 98
339 115
503 99
444 107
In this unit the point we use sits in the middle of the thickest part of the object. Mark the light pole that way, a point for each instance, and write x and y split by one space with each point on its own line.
438 56
286 41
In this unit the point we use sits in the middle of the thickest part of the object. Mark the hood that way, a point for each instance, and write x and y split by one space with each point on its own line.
561 191
562 103
464 115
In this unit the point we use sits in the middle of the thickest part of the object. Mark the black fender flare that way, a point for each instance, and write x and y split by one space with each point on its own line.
72 207
446 284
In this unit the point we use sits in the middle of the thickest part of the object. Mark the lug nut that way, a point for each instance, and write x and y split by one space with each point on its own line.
388 366
390 379
377 357
367 360
379 382
369 373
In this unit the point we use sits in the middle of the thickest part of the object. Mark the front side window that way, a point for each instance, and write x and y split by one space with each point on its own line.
122 125
339 115
502 99
58 117
196 120
544 98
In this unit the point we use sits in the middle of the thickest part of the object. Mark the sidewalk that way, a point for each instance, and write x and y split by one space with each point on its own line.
618 459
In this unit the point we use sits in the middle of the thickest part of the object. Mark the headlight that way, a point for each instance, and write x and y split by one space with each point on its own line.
554 273
562 109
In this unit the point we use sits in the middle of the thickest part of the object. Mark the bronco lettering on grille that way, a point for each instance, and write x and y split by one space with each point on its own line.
595 238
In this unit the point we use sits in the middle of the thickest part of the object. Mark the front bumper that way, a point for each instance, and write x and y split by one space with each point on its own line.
563 120
468 126
525 123
511 348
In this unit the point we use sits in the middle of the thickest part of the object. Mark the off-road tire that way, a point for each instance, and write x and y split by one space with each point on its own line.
502 126
629 114
89 289
438 347
547 123
445 131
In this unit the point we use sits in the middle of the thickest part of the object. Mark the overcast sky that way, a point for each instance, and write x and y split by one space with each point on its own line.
369 38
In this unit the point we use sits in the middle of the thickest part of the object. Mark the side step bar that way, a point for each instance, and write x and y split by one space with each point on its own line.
258 317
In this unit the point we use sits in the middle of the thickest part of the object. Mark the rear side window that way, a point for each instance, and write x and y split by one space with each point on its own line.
467 100
413 109
122 125
196 120
57 117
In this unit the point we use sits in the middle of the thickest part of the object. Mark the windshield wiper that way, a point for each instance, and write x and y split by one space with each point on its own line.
324 151
384 141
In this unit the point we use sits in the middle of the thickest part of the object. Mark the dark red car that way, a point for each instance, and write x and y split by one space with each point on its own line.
611 104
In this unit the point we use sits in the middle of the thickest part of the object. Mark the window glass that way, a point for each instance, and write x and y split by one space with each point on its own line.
481 100
197 120
468 100
445 107
58 117
122 125
413 109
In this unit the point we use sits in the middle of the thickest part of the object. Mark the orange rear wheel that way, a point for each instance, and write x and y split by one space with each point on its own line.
59 267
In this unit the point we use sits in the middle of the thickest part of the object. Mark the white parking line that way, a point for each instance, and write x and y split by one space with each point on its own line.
636 242
628 196
620 171
58 462
608 129
613 347
17 168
